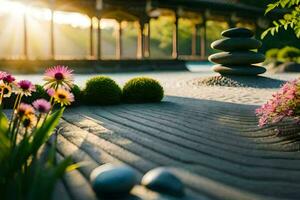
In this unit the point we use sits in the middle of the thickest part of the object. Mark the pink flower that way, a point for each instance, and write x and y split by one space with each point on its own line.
25 87
25 110
285 103
59 76
51 92
42 106
9 79
2 75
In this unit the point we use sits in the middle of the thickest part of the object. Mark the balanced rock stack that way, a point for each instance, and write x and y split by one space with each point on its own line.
237 58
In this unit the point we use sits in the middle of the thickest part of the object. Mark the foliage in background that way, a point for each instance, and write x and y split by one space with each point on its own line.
142 90
286 54
289 20
27 171
272 54
256 3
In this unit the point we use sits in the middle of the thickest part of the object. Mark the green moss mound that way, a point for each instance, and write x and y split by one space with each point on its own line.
78 96
289 54
102 90
272 54
142 90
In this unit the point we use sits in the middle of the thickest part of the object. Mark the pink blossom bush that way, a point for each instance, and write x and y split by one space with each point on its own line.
284 104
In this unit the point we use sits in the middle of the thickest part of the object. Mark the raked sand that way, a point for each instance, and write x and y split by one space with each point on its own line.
208 136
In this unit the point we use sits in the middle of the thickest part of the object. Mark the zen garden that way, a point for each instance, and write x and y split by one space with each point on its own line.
149 99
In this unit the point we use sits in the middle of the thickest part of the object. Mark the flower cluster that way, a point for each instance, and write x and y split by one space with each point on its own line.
59 81
284 104
30 127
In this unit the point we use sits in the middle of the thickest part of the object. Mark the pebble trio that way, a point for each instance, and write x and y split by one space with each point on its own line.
238 57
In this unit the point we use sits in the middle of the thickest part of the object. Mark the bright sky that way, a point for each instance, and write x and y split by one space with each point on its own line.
76 20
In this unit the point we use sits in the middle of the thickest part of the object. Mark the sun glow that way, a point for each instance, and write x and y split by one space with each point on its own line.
76 20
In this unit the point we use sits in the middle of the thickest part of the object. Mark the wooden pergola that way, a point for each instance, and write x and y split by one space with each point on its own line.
142 11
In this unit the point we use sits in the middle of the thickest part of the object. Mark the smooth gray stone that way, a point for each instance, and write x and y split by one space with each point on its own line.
237 58
249 70
237 32
163 181
109 180
236 44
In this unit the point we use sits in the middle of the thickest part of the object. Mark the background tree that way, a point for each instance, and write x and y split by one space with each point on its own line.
290 20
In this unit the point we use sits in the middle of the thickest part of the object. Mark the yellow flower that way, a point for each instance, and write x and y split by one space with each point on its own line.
29 121
25 110
6 89
63 97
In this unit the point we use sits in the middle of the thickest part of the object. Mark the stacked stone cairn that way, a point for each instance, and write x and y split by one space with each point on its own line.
238 57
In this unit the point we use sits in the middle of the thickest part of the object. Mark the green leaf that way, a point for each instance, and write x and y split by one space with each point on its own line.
3 123
43 133
270 7
282 21
61 168
265 33
275 23
273 30
76 166
286 26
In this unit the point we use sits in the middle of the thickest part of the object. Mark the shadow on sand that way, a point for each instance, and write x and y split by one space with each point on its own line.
257 81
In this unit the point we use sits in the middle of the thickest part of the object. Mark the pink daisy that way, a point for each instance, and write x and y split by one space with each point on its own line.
42 106
9 79
25 87
59 76
25 110
51 92
2 75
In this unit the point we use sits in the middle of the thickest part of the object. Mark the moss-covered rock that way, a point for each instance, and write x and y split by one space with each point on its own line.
142 90
102 90
78 96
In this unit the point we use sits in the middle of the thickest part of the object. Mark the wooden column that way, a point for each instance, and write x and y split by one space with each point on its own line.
25 50
52 44
175 38
148 41
91 38
203 40
140 40
99 39
119 41
194 40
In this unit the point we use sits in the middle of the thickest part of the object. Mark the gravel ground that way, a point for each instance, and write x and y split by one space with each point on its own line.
190 84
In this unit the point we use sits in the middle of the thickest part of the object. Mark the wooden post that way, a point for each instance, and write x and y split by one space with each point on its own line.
203 40
99 39
25 50
143 39
175 38
148 41
119 41
52 47
91 38
140 45
194 40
